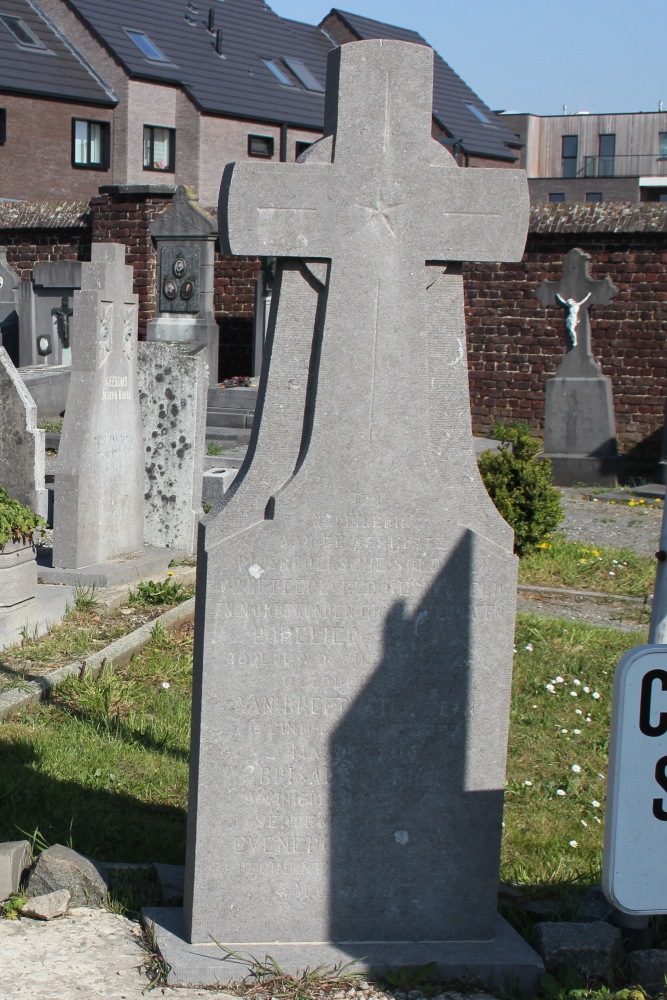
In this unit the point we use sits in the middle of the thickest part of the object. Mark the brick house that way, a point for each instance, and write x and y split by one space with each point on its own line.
98 93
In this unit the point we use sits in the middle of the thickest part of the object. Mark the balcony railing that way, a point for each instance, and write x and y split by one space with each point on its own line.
633 165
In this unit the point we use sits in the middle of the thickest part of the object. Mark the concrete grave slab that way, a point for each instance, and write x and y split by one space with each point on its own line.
355 625
173 385
99 477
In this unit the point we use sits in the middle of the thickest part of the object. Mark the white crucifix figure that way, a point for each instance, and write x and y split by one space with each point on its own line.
572 315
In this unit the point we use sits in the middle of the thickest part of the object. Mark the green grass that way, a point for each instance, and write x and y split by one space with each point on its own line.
103 766
560 563
548 802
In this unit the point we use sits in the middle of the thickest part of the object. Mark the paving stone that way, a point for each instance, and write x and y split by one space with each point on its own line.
48 906
591 948
647 968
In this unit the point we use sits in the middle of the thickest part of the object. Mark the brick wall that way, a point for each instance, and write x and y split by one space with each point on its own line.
33 233
514 344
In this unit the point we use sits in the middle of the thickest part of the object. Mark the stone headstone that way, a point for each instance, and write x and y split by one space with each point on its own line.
579 426
355 605
10 284
22 462
46 313
173 388
99 477
185 240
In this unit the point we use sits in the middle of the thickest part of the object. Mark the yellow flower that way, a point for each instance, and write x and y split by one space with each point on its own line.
170 572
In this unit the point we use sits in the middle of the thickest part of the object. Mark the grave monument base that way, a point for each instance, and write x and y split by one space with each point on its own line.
34 616
112 572
579 430
584 470
506 961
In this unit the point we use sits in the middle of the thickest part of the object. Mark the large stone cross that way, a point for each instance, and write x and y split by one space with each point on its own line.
577 292
378 197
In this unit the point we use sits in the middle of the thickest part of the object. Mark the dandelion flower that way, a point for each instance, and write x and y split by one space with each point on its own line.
573 843
170 572
576 768
560 791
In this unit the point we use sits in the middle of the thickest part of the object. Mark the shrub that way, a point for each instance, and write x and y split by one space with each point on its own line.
17 522
520 485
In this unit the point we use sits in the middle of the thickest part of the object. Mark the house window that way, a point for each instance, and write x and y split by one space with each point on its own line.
21 32
570 150
3 126
159 148
663 145
279 72
556 196
594 196
607 150
90 144
260 145
146 46
300 147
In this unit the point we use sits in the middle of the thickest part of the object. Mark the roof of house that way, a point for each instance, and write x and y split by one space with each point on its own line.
238 83
36 59
453 100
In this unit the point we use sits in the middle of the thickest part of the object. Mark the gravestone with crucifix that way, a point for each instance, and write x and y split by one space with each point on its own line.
579 427
356 591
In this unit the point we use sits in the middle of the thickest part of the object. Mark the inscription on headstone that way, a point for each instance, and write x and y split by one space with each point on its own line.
356 609
99 480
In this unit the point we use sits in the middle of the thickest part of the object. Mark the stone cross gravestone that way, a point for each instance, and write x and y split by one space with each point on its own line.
173 388
22 463
356 607
579 426
99 478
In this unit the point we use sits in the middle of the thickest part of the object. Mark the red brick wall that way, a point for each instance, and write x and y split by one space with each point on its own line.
515 344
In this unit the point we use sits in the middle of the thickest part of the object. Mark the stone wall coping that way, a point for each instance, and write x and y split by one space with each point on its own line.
598 217
44 215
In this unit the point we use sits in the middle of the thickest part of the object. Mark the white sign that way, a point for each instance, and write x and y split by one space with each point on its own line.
634 863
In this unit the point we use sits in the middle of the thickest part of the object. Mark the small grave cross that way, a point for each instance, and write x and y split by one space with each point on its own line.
62 316
577 292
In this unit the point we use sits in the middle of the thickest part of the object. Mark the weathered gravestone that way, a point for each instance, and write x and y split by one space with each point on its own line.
579 426
185 239
22 463
173 388
10 284
99 477
355 604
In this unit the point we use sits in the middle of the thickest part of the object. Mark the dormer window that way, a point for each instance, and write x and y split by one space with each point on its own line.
21 32
147 47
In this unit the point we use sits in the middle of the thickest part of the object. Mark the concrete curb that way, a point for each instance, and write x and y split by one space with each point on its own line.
119 653
592 595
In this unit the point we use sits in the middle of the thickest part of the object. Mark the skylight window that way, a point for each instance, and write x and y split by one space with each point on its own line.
479 114
303 74
21 32
279 72
146 46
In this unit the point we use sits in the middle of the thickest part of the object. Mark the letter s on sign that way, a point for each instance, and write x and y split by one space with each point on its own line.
645 705
659 810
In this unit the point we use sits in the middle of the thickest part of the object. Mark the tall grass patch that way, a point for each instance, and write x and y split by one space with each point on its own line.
556 562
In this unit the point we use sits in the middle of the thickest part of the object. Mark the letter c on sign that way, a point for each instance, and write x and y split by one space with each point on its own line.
645 705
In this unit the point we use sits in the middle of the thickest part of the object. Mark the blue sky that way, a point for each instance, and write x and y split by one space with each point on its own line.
534 55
